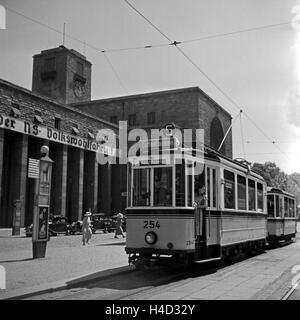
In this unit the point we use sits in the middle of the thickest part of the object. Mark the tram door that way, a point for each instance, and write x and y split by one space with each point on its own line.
200 205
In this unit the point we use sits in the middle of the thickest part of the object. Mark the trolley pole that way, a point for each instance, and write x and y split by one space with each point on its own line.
40 233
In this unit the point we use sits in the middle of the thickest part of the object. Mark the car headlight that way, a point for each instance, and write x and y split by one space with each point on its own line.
151 237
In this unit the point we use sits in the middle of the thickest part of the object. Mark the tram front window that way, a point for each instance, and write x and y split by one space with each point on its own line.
163 187
141 187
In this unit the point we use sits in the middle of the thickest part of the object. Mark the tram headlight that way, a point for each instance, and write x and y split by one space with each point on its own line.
151 237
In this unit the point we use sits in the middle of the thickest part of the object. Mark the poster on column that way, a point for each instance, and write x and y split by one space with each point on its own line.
43 223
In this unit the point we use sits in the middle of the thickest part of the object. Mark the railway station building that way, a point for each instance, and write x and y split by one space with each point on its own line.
59 112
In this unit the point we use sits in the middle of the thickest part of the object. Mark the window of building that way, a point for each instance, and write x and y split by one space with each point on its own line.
37 117
251 195
150 117
80 68
132 119
49 64
271 205
229 190
91 135
163 186
57 123
15 110
260 197
114 119
75 129
241 185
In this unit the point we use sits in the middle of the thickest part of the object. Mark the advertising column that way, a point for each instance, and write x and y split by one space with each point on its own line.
40 233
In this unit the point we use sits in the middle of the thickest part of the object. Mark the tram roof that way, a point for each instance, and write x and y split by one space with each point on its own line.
279 191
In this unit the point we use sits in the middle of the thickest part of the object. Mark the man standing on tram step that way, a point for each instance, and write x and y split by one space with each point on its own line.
86 228
119 230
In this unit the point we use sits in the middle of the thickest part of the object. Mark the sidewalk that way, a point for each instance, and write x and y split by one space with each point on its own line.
66 260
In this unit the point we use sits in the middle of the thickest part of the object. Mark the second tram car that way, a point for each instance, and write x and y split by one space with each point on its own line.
282 216
217 213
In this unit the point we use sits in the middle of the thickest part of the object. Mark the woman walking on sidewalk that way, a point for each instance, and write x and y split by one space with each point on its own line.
119 229
86 228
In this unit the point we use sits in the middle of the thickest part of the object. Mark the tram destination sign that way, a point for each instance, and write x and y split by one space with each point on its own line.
51 134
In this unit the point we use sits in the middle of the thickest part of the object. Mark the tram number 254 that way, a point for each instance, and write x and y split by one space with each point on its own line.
151 224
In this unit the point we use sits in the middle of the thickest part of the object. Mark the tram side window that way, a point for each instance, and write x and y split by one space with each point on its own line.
208 187
141 187
291 214
271 205
251 195
229 190
241 192
180 185
199 187
260 197
277 205
214 182
163 187
129 204
286 207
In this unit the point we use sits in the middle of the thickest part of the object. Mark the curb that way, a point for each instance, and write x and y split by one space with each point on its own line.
65 284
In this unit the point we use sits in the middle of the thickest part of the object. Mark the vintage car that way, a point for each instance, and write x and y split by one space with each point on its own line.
57 225
76 227
102 222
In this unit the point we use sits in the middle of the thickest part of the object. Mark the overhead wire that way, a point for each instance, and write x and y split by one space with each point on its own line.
147 46
115 72
175 43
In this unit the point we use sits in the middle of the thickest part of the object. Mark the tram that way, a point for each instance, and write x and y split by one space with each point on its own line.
282 216
218 212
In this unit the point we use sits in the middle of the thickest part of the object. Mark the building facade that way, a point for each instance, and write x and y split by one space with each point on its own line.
187 108
59 112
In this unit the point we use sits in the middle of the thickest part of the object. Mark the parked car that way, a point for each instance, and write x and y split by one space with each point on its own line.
57 225
76 227
102 222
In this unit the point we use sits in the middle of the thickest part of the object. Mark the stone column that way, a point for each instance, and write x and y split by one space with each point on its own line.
90 183
109 193
95 193
59 181
20 173
78 181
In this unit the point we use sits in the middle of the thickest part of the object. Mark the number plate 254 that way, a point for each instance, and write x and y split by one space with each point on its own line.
151 224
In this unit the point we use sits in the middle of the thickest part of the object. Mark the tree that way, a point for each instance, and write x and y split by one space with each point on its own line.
276 178
272 174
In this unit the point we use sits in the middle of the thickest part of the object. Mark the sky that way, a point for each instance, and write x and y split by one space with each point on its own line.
258 70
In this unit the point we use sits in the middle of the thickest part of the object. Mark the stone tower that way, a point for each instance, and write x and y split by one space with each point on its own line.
63 75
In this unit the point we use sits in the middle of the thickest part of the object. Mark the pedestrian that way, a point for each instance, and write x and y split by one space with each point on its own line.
86 228
119 229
